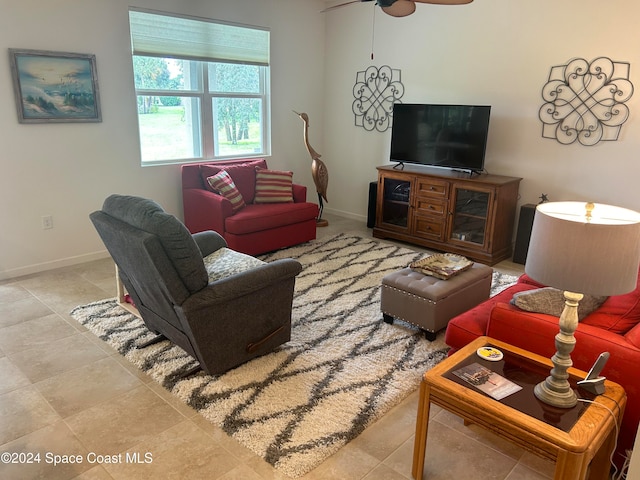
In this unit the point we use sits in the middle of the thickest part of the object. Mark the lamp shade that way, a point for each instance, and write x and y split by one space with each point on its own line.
585 248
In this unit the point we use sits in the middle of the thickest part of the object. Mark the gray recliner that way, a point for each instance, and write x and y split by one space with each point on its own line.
222 319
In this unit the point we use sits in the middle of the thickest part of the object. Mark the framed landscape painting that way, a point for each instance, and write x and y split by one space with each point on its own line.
55 86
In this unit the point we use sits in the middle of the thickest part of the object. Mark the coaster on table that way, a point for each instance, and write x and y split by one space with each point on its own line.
490 353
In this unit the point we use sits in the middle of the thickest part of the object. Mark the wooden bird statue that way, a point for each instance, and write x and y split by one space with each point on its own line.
319 171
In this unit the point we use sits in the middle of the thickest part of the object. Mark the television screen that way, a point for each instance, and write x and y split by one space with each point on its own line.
453 136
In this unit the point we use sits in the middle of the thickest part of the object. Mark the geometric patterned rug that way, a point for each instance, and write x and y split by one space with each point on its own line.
342 370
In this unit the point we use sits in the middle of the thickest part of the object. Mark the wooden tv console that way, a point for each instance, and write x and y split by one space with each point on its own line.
451 211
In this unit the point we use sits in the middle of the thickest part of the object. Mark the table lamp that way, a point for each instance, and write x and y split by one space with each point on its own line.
580 248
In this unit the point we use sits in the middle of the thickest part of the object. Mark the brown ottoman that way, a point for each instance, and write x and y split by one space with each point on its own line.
428 302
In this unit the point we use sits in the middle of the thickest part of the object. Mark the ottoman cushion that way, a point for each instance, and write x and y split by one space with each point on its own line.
429 302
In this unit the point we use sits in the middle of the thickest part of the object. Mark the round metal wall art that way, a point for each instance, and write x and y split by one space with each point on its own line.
375 92
586 101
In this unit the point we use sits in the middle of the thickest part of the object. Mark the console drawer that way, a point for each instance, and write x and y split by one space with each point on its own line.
432 187
431 206
428 227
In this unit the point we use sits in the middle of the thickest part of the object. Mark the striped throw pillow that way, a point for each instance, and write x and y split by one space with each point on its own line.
273 186
222 183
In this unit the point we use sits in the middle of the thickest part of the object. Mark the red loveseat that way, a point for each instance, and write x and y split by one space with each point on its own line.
614 327
256 227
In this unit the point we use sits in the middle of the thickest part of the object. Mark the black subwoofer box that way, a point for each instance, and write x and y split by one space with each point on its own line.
523 236
373 199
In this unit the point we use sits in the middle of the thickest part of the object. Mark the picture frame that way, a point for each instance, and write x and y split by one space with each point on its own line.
55 87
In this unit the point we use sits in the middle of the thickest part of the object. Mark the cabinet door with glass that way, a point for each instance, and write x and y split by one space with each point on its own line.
394 212
470 211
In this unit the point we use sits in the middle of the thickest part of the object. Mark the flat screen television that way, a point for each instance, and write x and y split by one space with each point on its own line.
452 136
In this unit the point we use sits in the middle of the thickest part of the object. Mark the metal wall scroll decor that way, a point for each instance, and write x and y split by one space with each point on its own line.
375 92
585 101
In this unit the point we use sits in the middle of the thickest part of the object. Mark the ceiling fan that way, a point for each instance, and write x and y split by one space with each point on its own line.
401 8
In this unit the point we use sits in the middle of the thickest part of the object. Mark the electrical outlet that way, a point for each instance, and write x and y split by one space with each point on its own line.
47 222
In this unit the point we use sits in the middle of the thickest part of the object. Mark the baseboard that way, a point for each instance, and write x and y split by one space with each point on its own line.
341 213
70 261
45 266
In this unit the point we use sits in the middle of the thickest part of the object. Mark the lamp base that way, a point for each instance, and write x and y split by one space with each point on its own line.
564 398
555 390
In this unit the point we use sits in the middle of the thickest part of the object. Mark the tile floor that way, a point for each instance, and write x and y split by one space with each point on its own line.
64 392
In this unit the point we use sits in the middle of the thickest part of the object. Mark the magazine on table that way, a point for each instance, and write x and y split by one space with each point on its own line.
486 380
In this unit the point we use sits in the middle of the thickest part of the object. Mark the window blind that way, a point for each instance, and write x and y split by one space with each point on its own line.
163 35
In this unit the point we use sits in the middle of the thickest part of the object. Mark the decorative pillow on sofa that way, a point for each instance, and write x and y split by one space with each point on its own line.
222 183
551 301
273 186
242 174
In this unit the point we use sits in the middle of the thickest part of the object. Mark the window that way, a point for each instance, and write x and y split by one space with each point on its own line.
202 88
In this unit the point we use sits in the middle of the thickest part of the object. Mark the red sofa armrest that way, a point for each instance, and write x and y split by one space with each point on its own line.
299 193
205 210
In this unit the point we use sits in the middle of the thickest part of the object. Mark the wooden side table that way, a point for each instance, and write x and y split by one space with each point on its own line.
580 440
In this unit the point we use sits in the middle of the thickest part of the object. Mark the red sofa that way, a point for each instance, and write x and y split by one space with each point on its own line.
613 327
255 228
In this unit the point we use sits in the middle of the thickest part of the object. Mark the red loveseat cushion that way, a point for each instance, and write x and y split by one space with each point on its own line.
243 175
265 216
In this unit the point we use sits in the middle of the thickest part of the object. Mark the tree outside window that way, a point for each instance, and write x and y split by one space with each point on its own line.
179 121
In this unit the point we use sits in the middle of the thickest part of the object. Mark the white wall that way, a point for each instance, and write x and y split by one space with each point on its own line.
66 170
496 52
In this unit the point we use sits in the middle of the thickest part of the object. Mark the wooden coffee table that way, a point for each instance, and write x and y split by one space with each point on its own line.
580 440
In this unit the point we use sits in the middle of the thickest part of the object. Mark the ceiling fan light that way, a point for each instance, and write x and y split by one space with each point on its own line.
400 8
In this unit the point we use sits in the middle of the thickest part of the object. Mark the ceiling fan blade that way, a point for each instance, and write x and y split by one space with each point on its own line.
399 8
340 5
402 8
445 2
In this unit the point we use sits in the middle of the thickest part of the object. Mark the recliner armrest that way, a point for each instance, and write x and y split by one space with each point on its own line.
242 284
209 241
